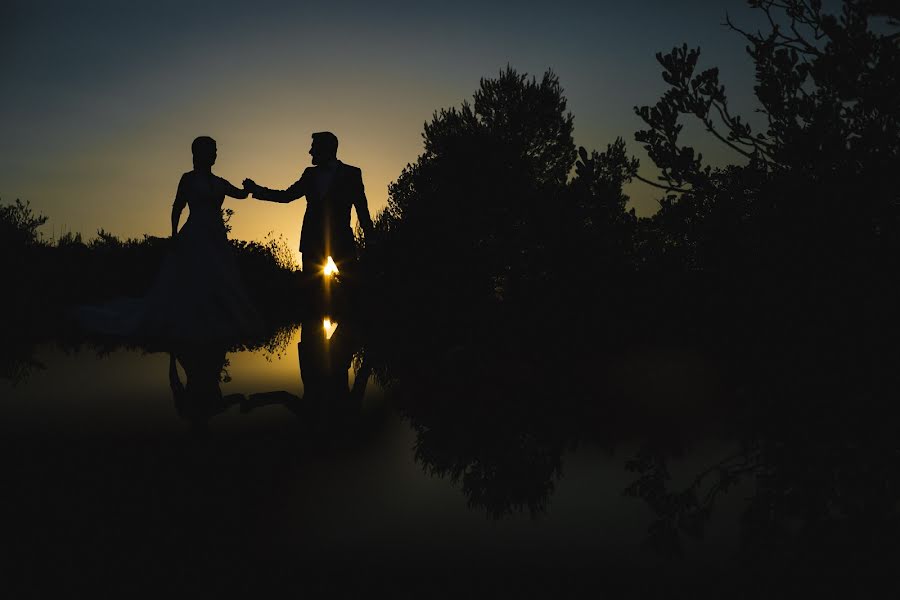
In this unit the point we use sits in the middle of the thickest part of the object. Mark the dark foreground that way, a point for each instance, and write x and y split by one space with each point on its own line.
491 455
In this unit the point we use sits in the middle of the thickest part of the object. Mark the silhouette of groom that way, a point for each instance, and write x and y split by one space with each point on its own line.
331 188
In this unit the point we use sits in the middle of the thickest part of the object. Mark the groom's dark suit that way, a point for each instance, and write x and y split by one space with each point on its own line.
330 191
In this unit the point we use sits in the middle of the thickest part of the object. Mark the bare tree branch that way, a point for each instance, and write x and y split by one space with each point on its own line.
668 188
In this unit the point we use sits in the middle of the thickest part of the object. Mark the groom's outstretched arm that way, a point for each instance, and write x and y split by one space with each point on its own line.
296 190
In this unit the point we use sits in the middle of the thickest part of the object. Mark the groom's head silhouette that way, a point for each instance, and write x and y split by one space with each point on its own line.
324 147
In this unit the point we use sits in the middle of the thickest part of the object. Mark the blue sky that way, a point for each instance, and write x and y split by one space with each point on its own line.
102 99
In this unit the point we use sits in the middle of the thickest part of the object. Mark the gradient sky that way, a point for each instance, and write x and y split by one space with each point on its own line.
102 99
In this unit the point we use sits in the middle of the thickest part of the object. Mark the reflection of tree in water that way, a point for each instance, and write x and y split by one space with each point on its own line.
501 470
506 458
685 511
815 439
276 345
819 447
482 416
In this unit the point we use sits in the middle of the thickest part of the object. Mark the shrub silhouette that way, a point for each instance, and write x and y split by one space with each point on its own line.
19 225
46 276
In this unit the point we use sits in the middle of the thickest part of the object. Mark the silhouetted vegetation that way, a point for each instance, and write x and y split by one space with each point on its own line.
49 275
514 306
812 199
488 212
19 226
779 268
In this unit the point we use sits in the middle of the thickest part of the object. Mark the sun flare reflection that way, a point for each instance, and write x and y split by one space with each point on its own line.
330 268
329 327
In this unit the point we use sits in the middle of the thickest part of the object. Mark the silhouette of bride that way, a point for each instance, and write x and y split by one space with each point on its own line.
198 294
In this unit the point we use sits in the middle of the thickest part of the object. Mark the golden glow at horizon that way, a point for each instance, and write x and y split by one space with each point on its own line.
329 327
330 269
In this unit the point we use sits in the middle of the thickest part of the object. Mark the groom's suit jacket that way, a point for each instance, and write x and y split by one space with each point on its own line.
329 195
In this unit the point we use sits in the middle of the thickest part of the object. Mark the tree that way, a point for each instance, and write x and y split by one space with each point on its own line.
815 190
606 230
488 208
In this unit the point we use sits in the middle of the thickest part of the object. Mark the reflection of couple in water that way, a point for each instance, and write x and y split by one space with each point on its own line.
199 398
199 294
325 360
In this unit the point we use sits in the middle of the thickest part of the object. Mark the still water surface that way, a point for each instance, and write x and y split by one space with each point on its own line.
133 460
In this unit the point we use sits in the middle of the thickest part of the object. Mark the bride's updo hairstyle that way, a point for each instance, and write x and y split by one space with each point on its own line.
204 150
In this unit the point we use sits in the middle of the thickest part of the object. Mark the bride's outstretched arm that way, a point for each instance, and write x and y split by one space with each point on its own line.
234 192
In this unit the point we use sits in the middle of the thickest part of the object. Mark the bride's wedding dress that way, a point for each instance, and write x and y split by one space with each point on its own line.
198 294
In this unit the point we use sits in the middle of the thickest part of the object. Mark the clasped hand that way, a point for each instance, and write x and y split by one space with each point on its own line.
250 186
